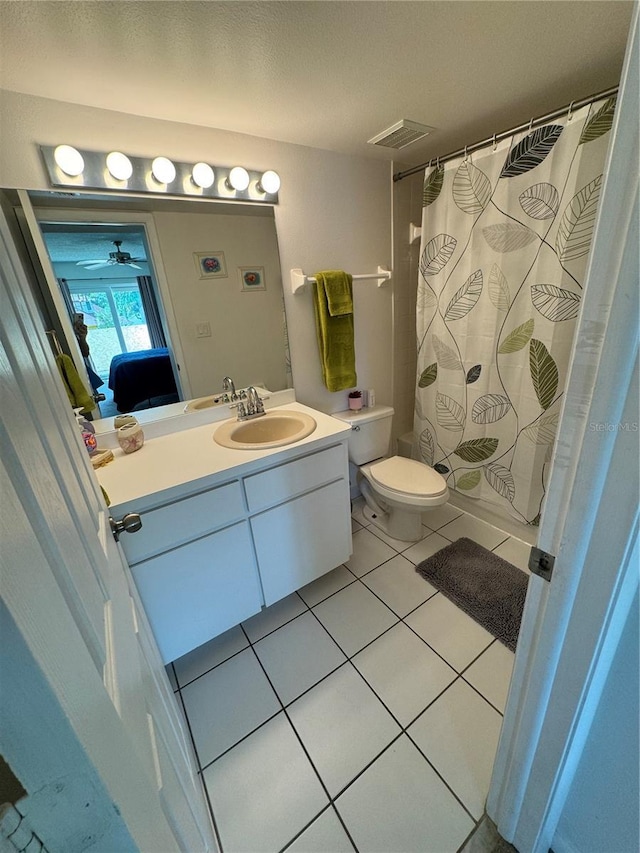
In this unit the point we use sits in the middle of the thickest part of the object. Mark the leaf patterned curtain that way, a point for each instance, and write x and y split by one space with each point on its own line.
506 234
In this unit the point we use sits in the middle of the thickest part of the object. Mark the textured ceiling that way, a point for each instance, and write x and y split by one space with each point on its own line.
325 74
73 243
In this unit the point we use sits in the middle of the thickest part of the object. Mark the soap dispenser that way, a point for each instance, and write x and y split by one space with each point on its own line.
87 430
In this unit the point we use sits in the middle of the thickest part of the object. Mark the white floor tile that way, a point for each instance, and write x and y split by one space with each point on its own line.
297 656
435 518
368 552
264 790
427 547
343 725
326 585
398 545
325 835
227 703
516 552
354 617
210 654
453 634
356 512
491 674
404 672
473 528
273 617
459 733
400 804
399 585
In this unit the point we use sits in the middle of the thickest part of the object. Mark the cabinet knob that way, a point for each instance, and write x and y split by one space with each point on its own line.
129 523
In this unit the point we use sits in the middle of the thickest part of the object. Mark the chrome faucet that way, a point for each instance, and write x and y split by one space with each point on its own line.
229 387
254 403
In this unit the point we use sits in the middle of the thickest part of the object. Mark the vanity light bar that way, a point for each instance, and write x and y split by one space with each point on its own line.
79 169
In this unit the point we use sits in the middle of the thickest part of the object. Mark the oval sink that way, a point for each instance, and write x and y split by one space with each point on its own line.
275 429
201 403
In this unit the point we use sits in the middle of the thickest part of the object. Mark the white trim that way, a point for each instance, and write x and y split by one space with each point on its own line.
571 627
54 289
101 217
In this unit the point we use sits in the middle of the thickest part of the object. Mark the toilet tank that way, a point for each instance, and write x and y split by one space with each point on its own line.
370 432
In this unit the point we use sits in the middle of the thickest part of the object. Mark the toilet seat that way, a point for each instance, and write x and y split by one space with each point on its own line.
406 481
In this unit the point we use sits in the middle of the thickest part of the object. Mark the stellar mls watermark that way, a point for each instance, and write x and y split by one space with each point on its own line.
607 426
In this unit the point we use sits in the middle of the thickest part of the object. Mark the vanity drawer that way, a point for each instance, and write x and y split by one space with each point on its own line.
183 521
285 481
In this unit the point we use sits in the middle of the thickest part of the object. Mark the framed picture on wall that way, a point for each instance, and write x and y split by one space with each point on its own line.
210 264
252 278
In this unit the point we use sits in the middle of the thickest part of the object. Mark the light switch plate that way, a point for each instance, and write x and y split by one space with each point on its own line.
203 330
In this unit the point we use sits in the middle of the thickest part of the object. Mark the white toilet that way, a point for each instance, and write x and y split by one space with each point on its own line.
396 490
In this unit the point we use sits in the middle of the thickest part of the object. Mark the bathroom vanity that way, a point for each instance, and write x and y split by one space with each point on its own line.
226 532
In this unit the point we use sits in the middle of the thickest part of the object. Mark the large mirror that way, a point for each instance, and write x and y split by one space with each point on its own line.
168 296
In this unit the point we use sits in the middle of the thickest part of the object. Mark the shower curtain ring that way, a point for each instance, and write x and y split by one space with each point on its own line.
466 156
570 113
530 124
495 144
438 163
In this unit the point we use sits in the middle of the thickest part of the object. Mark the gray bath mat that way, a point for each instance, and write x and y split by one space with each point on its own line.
486 587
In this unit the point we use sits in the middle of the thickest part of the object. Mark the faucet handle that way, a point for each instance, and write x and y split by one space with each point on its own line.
241 411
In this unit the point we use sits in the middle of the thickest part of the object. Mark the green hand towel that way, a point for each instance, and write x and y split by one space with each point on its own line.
335 332
337 286
76 392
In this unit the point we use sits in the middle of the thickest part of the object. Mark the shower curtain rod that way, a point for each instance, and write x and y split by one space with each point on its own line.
498 137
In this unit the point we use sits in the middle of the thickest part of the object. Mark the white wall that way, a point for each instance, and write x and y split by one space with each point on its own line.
246 326
334 212
601 810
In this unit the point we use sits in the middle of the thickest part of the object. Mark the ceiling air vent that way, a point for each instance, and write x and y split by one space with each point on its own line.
401 134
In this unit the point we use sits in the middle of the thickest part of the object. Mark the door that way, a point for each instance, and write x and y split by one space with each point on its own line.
571 627
89 721
30 219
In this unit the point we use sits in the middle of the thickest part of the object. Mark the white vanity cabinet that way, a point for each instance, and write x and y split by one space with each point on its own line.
300 520
209 560
194 565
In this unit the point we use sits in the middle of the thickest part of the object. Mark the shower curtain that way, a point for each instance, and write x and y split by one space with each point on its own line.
505 239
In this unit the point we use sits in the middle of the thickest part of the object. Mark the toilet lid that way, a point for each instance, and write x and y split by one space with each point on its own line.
408 476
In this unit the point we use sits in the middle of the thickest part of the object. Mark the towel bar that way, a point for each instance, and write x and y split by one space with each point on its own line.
299 279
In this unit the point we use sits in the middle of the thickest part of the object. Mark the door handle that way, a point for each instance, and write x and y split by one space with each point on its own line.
129 523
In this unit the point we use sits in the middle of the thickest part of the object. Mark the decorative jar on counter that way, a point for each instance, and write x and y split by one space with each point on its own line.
124 420
130 437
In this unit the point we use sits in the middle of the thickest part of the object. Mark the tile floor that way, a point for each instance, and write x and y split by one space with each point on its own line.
360 713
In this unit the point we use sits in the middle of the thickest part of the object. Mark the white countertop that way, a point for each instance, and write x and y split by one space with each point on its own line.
170 466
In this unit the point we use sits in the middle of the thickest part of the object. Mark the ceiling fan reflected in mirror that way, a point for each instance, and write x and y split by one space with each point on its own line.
117 257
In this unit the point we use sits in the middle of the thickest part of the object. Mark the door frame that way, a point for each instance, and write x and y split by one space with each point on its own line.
571 627
34 215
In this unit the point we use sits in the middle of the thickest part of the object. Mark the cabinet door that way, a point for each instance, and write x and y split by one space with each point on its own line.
298 541
199 590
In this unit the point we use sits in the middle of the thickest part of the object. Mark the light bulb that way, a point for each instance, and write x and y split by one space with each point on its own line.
69 159
163 170
119 166
202 175
239 178
269 182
